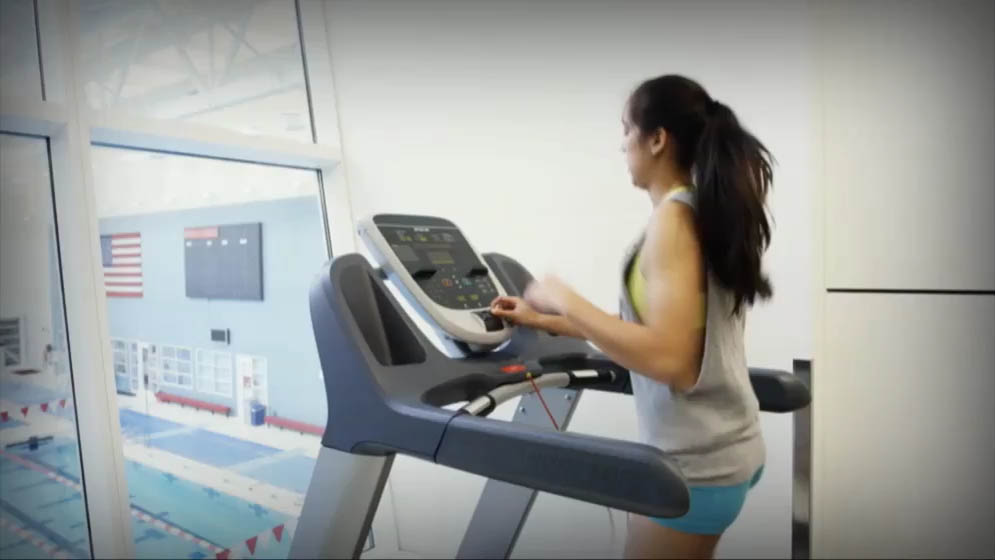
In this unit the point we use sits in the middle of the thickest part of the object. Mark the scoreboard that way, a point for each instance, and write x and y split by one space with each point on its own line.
224 262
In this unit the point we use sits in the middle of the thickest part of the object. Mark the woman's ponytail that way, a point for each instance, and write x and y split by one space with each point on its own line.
732 175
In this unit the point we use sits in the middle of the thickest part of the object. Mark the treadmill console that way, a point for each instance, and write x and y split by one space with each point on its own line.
438 270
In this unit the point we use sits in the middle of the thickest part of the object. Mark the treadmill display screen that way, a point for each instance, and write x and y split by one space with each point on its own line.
440 257
442 263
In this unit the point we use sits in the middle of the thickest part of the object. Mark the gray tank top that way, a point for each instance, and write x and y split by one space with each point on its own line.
713 429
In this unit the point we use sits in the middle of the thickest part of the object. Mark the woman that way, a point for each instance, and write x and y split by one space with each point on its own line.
686 286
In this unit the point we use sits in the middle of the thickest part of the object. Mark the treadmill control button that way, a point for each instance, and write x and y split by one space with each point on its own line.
491 323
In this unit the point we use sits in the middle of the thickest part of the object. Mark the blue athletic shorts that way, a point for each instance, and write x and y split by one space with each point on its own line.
713 508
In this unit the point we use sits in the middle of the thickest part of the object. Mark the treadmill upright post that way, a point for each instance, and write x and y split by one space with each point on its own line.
503 508
340 504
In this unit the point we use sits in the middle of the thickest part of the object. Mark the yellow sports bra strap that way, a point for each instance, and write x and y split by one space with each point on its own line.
676 190
636 284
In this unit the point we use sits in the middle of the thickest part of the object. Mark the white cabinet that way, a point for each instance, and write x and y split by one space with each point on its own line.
904 427
909 139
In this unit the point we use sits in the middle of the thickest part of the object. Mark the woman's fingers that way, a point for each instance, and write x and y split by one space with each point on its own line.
506 302
500 311
511 308
506 315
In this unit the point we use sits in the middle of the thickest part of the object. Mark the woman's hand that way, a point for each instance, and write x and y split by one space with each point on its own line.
515 310
550 295
546 297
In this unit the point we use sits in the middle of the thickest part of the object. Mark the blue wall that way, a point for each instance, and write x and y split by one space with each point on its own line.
278 328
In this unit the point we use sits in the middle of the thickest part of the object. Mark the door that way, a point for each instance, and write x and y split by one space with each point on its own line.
149 367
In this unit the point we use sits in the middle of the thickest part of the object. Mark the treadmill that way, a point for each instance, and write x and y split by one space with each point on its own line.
390 390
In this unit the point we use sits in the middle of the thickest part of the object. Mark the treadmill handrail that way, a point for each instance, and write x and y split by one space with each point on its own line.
779 391
484 404
614 473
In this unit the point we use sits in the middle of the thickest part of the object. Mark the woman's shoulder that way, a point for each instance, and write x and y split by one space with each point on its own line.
671 232
673 215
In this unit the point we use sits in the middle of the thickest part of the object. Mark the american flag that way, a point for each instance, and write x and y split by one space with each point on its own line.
122 257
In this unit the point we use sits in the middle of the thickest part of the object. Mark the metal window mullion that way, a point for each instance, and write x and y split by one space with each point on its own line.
336 199
94 387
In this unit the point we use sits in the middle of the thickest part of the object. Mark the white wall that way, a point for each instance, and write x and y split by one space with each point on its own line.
903 424
910 127
504 116
905 467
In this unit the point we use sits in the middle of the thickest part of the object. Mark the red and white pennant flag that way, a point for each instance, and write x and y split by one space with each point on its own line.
249 546
135 512
6 415
173 530
244 549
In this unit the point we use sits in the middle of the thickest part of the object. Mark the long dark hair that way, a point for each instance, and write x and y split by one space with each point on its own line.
732 174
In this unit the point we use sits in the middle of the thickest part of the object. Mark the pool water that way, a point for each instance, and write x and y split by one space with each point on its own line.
53 510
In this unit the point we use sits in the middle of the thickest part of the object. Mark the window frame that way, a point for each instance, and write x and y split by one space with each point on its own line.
64 118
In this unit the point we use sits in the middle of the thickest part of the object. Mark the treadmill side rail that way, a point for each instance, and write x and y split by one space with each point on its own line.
618 474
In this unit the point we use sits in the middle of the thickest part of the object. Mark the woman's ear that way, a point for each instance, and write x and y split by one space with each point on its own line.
658 141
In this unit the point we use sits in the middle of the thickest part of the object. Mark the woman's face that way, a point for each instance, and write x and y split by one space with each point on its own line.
638 157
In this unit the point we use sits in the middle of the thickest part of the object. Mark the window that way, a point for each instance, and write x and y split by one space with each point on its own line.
171 201
20 72
150 363
120 357
214 373
38 427
126 369
132 183
204 108
176 367
230 63
11 341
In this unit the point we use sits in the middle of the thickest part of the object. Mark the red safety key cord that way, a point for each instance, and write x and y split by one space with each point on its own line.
542 400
